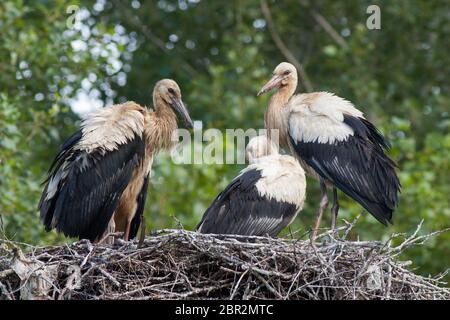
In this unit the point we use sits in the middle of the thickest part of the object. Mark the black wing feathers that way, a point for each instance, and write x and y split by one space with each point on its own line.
366 130
358 166
89 188
66 148
240 209
47 207
136 222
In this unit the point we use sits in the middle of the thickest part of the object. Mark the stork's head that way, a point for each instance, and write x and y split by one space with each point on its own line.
284 75
169 93
259 147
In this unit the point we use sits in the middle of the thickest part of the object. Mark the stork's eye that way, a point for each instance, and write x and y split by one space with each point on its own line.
171 91
287 72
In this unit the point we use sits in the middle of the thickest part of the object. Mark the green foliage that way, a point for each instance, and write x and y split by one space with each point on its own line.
221 53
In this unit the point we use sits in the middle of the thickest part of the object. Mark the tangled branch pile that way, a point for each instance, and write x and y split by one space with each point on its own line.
179 264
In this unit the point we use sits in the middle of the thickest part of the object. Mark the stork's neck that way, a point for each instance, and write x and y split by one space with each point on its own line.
166 113
281 97
161 125
275 117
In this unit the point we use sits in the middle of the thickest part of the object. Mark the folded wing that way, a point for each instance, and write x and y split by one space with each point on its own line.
354 161
244 208
91 171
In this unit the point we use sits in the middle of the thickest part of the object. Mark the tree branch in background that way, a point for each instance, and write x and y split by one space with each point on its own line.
283 48
320 19
150 35
329 29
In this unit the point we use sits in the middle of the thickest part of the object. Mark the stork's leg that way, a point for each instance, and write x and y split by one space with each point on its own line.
322 208
142 235
126 235
110 229
334 209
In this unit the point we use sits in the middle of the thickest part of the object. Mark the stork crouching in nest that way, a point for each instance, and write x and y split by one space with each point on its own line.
263 199
98 181
335 144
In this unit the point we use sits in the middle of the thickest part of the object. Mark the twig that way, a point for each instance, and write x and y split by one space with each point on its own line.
110 277
6 273
236 287
268 286
108 235
351 225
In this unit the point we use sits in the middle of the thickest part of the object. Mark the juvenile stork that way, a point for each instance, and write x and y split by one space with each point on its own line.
263 199
98 181
334 143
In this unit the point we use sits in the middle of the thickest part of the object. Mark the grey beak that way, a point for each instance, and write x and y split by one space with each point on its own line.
182 112
272 83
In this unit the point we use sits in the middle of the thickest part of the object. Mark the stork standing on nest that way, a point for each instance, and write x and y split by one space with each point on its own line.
263 199
98 181
334 143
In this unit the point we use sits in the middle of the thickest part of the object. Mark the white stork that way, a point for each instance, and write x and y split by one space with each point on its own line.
263 199
98 181
334 143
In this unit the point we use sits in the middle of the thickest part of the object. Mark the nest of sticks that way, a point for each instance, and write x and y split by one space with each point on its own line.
180 264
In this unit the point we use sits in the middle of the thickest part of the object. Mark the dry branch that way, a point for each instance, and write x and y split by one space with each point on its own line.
179 264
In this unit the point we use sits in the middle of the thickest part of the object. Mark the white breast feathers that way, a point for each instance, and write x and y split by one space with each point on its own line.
319 117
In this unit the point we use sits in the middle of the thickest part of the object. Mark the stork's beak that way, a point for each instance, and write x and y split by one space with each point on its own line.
274 82
182 112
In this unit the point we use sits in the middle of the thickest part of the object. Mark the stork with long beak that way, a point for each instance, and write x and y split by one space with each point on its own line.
335 144
98 181
263 199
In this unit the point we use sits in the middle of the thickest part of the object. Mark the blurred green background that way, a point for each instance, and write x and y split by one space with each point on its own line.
55 64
